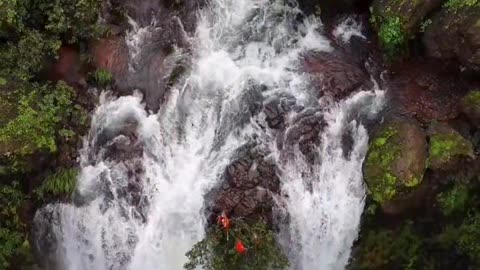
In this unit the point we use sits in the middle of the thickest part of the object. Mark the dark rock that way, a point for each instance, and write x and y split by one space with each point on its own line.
251 183
335 74
276 109
304 132
330 8
425 92
454 34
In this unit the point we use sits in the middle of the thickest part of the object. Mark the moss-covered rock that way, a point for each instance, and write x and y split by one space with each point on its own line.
447 148
395 161
398 20
471 107
454 33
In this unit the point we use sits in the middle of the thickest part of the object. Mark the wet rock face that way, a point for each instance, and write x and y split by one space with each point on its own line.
420 91
276 111
112 54
335 75
305 133
454 34
251 183
148 63
68 68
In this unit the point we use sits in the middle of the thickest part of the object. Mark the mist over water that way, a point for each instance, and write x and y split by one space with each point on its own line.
141 205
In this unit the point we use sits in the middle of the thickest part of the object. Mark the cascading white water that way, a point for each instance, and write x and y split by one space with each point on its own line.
187 145
325 204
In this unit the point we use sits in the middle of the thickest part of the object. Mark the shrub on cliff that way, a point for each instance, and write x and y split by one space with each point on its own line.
12 230
59 184
218 250
42 113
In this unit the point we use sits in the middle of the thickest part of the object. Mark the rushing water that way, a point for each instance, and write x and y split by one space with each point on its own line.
143 208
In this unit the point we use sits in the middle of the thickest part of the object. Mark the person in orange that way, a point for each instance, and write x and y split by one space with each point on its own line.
240 247
224 222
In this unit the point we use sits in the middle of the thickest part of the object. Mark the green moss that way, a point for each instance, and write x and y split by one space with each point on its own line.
454 5
453 200
473 99
392 37
444 146
382 153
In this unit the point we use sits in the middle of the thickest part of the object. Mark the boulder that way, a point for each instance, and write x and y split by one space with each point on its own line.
250 185
454 34
145 58
425 91
395 162
470 106
447 148
336 74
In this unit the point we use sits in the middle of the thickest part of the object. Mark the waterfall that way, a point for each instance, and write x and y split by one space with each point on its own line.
139 202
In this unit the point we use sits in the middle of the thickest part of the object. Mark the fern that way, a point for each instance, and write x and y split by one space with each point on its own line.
61 183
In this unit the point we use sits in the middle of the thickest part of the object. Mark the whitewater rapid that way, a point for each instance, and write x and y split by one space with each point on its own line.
144 211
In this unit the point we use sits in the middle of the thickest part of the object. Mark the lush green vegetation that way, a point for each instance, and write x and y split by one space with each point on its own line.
454 200
60 184
36 116
12 229
386 247
393 37
102 77
217 250
454 5
41 112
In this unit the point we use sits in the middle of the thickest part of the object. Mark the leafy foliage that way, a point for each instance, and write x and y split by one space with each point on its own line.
35 115
102 77
392 37
217 250
11 228
454 5
61 183
380 248
40 115
469 237
453 200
